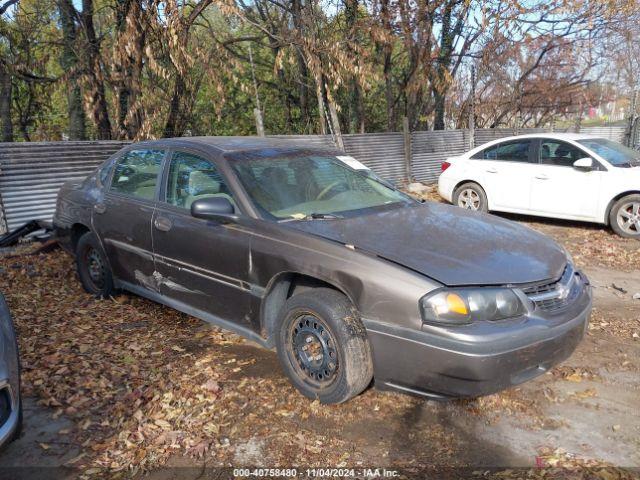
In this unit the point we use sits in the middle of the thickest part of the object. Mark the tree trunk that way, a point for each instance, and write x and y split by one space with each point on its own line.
321 110
441 85
100 111
303 71
171 128
387 65
69 63
5 104
356 107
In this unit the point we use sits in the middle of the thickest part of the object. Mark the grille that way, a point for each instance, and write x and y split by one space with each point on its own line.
556 295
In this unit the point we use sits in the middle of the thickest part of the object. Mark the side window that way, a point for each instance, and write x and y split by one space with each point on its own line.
515 151
557 153
192 177
104 171
136 173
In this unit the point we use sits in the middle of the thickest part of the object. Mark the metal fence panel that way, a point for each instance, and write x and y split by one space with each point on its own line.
32 173
615 133
381 152
430 149
318 141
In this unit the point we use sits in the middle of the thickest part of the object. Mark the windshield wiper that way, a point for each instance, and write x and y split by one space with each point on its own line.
314 216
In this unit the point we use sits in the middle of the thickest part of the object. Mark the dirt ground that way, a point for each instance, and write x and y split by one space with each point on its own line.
139 389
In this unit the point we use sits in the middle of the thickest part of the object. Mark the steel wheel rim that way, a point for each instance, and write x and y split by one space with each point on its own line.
628 218
312 350
469 199
95 267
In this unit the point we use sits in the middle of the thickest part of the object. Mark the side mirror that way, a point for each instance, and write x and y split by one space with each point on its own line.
584 164
219 209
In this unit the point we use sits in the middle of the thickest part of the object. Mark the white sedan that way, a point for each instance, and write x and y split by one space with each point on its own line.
560 175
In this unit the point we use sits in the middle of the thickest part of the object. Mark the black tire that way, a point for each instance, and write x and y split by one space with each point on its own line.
93 267
337 335
626 209
471 196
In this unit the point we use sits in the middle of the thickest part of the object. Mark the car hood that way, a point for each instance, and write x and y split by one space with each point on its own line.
449 244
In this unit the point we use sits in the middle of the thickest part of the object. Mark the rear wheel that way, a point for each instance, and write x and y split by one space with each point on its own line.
624 217
323 347
470 196
93 268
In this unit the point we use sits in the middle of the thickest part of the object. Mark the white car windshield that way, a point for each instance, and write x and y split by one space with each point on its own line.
303 186
616 154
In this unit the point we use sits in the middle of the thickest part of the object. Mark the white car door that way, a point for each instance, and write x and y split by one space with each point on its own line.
560 190
506 171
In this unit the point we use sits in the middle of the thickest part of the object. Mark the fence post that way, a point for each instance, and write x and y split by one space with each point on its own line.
631 124
3 219
3 222
472 110
407 149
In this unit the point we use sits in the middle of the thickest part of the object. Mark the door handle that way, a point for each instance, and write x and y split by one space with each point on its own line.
163 224
542 176
492 170
99 208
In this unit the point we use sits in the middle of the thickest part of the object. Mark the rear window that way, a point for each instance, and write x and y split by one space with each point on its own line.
513 151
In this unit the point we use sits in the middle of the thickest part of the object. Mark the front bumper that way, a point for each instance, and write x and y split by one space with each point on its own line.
439 363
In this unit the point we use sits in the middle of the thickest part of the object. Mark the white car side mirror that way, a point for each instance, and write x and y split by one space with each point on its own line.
585 164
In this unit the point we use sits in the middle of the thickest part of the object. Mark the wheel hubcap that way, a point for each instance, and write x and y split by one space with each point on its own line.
629 218
95 267
469 199
314 350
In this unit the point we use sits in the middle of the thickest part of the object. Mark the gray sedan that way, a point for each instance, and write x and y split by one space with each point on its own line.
308 251
10 404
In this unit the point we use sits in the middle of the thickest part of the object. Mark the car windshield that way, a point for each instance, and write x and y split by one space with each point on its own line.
616 154
309 185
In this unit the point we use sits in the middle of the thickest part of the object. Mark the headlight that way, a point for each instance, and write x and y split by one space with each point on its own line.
465 305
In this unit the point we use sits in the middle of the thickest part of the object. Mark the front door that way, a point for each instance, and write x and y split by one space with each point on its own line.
200 263
122 219
561 190
506 170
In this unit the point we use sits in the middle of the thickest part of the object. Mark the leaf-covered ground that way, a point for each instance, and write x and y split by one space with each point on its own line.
144 384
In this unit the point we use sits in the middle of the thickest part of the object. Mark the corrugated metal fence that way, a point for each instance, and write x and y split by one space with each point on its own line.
32 173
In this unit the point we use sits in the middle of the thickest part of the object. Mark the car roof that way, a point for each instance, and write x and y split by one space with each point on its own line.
548 135
235 144
552 135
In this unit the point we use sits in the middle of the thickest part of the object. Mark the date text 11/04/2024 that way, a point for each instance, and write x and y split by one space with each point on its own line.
315 473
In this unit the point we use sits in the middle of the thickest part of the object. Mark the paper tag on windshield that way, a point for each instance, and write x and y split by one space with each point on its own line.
352 162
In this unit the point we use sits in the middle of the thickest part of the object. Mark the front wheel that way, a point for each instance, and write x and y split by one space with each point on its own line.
323 347
470 196
624 217
93 268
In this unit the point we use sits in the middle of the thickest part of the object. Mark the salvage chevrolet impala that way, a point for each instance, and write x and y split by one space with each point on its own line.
304 249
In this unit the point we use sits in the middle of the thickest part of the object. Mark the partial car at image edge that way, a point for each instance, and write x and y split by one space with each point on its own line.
568 176
10 399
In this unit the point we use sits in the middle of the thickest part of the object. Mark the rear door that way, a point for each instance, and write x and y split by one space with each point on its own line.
200 263
506 170
558 189
122 219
